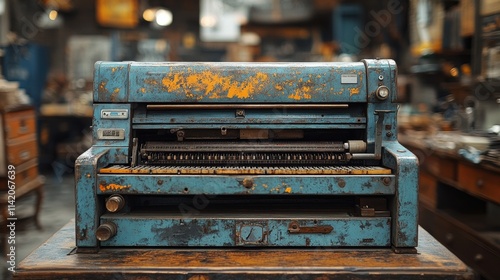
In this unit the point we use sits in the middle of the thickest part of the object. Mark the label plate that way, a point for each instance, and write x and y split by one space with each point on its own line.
349 79
121 114
111 134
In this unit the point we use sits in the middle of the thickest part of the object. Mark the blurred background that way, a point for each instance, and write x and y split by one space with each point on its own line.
447 51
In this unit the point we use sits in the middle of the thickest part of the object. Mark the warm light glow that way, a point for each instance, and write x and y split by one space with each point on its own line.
53 15
454 72
163 17
208 21
149 15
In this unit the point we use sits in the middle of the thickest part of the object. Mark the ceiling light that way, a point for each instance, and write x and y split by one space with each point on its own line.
163 17
148 15
208 21
53 15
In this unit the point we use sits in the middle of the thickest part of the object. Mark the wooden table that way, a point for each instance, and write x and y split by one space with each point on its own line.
56 259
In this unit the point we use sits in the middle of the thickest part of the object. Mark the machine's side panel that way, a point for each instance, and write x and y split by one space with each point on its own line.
405 202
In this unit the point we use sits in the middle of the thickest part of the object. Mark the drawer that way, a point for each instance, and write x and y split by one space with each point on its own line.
442 168
22 150
25 173
19 123
427 188
480 182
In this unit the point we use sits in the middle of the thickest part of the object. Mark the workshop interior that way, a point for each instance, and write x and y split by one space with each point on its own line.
250 126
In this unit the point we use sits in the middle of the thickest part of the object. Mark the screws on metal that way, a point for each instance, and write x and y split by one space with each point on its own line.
247 183
386 181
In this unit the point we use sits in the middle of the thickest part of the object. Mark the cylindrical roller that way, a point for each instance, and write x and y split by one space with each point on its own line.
356 146
115 203
105 231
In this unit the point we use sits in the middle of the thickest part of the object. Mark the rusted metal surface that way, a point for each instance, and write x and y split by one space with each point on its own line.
226 82
269 229
56 260
281 183
250 82
238 108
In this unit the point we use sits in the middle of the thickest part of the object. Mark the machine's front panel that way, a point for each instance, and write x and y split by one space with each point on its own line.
239 228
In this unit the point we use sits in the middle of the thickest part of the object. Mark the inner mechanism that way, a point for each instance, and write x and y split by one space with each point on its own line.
247 153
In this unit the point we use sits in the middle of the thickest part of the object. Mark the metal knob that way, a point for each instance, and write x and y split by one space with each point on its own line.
382 92
115 203
105 231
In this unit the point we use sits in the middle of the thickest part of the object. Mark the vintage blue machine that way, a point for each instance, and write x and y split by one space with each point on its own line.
246 154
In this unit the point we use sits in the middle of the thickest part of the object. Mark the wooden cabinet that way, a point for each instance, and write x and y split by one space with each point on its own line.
459 204
19 153
480 182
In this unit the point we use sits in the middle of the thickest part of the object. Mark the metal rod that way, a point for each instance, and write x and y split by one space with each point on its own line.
243 106
378 138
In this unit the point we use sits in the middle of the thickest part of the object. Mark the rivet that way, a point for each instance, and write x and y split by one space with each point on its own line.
386 181
380 78
341 183
247 182
401 151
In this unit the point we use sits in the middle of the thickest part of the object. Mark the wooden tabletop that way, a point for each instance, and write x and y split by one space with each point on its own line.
56 259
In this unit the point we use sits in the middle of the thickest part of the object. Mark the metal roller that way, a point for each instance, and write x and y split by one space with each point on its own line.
355 146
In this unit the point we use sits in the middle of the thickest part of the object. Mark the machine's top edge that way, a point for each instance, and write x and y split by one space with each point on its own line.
230 64
235 82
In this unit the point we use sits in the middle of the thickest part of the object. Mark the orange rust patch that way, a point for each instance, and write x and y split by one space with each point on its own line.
172 83
117 90
212 84
288 190
143 90
102 87
278 87
354 91
112 187
301 93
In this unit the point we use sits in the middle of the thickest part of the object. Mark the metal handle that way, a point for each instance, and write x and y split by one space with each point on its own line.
295 227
